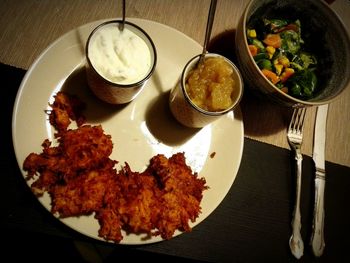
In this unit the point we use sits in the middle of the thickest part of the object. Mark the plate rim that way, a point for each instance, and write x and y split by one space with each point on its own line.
28 75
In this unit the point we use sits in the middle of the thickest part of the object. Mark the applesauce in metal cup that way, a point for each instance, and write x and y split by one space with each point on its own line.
207 91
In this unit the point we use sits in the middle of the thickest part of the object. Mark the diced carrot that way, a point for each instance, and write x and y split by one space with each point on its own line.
273 40
253 50
270 75
287 73
284 89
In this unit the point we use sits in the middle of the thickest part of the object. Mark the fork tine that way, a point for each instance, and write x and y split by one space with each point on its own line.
300 123
297 121
292 120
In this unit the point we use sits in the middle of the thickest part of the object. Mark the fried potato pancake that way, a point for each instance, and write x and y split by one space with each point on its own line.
64 109
181 193
80 150
81 179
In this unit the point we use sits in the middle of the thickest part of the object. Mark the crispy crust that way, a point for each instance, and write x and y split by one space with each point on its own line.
81 179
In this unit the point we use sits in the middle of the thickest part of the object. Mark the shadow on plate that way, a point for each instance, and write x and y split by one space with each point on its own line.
162 124
260 116
96 110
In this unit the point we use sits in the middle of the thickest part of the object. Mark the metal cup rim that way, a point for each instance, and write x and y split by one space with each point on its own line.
194 60
118 85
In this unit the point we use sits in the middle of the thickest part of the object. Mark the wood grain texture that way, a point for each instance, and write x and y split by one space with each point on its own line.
28 27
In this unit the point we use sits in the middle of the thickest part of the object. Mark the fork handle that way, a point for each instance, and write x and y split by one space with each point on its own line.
317 238
296 243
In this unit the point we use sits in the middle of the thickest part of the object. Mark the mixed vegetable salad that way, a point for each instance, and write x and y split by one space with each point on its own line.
278 49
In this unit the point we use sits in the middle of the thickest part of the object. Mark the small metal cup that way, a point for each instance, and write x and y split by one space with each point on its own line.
112 92
189 114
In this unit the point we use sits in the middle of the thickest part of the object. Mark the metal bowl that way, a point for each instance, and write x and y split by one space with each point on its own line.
321 28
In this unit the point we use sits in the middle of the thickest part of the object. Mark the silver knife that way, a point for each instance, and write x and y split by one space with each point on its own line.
317 238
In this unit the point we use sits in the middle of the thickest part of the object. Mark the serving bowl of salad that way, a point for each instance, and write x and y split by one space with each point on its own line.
295 52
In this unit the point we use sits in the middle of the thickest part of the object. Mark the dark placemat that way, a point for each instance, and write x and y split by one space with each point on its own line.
251 224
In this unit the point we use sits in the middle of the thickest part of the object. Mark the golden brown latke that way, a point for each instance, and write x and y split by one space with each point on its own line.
80 150
181 193
64 109
132 201
81 179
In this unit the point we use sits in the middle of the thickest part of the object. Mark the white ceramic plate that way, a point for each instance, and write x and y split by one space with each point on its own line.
140 129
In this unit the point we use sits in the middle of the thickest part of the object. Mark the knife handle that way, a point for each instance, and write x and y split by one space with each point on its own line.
317 238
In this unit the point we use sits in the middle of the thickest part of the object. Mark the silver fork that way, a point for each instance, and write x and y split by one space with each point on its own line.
295 138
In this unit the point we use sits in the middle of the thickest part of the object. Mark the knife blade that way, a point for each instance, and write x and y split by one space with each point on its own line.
317 238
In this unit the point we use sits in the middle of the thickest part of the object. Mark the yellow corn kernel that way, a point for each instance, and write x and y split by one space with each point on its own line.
289 70
284 61
270 50
251 33
278 68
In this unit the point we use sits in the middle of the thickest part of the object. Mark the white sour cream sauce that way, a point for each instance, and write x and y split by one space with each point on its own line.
122 57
